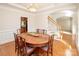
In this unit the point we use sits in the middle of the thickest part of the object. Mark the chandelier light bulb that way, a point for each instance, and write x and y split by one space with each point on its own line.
32 9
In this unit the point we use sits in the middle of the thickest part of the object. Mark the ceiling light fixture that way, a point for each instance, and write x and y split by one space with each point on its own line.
68 13
32 8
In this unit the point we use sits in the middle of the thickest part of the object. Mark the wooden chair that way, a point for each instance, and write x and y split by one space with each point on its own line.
44 31
41 31
49 48
20 31
21 46
16 44
51 44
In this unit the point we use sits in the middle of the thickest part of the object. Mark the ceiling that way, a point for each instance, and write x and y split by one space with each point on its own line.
39 6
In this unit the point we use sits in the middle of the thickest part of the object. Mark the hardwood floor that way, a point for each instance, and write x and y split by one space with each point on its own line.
59 49
69 40
7 49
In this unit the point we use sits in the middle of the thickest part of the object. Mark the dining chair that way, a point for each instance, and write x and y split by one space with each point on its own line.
51 44
24 49
19 31
16 43
49 47
41 31
44 31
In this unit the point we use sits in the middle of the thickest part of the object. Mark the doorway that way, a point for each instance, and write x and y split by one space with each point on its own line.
24 24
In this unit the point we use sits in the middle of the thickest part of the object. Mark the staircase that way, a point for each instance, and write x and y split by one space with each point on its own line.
57 26
59 30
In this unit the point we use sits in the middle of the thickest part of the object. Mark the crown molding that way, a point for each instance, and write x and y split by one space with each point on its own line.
14 7
58 8
50 8
41 9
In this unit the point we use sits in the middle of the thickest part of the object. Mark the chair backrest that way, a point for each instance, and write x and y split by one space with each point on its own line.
16 39
19 41
18 31
42 31
22 45
21 31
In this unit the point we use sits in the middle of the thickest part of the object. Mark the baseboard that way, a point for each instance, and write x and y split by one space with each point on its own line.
66 32
6 41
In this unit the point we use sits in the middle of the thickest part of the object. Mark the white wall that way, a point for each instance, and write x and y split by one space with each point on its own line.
41 21
10 22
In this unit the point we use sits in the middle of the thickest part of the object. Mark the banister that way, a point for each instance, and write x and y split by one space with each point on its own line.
55 23
60 29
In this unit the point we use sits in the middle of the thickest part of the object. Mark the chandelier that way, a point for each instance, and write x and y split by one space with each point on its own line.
32 7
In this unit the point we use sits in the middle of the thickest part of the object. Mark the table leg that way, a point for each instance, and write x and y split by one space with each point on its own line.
37 51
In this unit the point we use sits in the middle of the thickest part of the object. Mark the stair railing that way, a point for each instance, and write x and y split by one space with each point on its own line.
59 29
56 24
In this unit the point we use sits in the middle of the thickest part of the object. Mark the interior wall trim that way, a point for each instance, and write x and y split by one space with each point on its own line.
6 36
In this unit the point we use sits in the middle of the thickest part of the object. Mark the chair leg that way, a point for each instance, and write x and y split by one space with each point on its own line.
15 48
47 54
48 51
18 51
21 52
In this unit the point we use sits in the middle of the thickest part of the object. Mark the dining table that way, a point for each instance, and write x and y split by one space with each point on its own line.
35 40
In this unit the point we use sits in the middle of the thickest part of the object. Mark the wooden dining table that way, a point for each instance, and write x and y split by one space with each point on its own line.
35 39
